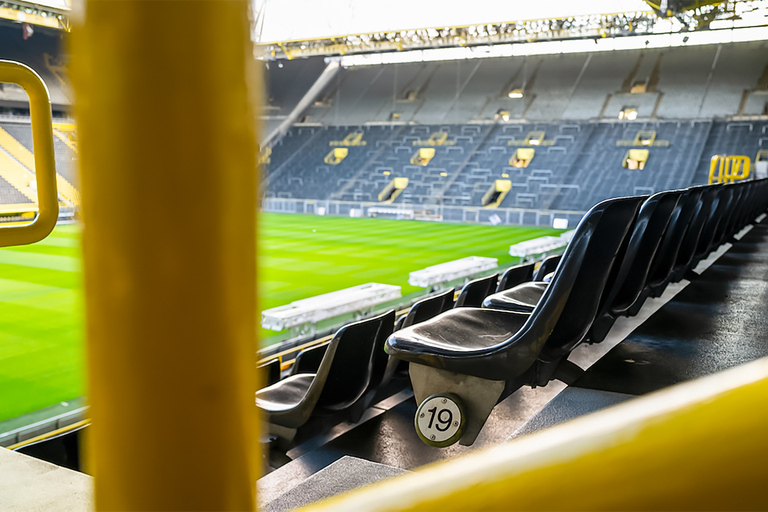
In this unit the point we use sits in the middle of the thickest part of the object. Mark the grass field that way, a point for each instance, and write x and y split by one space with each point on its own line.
41 355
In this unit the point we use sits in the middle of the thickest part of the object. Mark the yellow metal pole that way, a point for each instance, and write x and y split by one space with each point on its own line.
166 130
697 446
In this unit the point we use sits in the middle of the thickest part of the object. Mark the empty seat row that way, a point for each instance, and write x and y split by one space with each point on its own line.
329 379
623 251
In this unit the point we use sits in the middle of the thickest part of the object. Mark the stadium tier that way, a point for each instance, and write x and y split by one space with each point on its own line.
541 133
574 164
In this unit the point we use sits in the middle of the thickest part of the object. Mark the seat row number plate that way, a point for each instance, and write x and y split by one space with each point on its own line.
440 420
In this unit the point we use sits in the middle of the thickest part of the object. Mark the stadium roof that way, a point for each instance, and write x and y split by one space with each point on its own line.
299 20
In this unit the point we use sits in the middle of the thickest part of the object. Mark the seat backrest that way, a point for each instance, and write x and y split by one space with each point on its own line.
565 312
548 265
309 359
647 233
348 363
731 196
429 308
513 276
474 292
691 238
379 358
719 202
271 371
662 264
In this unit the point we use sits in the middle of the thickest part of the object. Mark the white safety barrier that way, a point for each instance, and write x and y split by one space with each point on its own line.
451 271
309 311
537 246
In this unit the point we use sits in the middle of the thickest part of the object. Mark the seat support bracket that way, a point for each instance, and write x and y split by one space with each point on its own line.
479 396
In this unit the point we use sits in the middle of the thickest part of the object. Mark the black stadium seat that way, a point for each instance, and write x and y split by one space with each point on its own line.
467 351
691 238
341 381
548 265
429 307
664 261
647 233
309 359
271 371
514 276
473 293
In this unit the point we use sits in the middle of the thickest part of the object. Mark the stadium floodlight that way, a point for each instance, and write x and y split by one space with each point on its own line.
515 93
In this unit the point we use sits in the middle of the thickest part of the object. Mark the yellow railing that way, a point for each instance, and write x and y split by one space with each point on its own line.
727 169
42 138
53 433
701 445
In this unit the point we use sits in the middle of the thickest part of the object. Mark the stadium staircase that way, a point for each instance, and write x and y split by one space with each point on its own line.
18 176
26 160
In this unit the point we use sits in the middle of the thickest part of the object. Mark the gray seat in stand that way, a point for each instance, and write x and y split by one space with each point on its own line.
342 379
473 293
514 276
482 355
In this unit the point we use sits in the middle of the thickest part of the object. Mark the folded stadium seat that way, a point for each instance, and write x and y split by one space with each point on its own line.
342 379
664 260
647 233
690 240
514 276
479 356
473 293
548 265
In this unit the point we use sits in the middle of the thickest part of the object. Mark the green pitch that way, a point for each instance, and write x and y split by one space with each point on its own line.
41 331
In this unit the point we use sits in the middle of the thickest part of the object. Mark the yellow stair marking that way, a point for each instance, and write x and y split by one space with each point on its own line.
63 138
27 159
17 175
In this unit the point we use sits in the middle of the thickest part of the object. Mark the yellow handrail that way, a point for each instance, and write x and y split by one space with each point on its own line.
53 433
45 167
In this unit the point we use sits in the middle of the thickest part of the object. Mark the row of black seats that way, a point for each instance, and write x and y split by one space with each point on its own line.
329 379
623 251
474 292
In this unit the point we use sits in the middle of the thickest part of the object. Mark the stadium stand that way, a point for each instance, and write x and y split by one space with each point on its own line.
690 97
